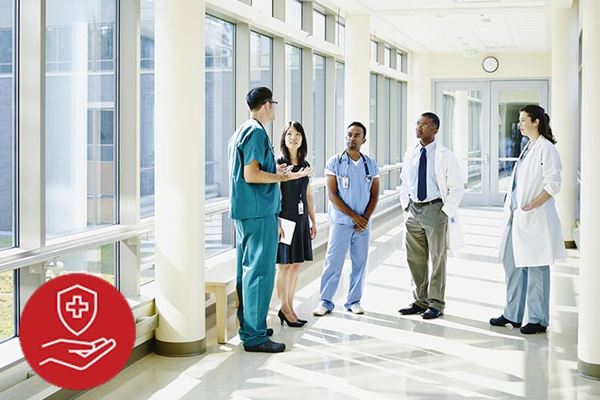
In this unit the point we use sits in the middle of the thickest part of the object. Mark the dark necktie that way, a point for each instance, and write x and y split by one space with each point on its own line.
422 183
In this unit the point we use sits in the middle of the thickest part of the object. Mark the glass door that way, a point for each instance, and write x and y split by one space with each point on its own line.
463 108
507 99
479 122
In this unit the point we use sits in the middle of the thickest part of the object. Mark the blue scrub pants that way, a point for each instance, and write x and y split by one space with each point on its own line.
256 254
340 238
529 285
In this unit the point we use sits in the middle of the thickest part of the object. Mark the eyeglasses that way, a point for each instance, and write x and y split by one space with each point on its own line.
272 101
422 124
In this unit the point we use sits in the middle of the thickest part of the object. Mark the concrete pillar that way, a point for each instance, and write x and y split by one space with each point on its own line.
356 86
589 273
564 92
179 138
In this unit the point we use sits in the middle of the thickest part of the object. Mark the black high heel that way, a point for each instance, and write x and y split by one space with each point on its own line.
291 324
302 320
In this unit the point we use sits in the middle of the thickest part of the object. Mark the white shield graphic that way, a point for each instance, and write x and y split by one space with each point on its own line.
77 307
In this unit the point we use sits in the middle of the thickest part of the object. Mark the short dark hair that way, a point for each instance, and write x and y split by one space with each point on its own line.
258 96
434 118
356 123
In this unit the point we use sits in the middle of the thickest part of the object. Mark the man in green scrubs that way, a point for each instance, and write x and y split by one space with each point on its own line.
255 203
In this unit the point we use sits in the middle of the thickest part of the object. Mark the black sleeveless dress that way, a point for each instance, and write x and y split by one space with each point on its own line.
292 192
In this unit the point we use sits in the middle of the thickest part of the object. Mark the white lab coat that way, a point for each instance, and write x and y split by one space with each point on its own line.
537 236
451 183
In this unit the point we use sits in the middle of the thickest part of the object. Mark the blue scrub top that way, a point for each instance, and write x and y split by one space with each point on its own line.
251 200
358 193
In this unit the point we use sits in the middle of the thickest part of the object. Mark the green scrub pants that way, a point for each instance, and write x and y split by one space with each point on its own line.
256 255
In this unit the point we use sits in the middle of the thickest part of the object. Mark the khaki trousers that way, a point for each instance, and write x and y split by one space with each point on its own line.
426 230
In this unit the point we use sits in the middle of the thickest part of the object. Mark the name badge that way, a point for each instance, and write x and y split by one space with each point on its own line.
300 207
345 182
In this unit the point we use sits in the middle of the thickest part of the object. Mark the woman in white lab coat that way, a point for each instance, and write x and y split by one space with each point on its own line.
532 239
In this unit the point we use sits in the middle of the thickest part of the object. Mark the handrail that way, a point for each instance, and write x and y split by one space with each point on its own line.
69 244
18 258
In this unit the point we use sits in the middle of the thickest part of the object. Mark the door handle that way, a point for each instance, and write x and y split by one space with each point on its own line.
486 159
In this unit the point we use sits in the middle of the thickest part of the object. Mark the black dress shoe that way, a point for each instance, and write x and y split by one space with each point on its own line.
412 309
269 332
266 347
533 328
431 313
501 321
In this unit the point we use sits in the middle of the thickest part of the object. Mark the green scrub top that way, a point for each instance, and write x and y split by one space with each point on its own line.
251 200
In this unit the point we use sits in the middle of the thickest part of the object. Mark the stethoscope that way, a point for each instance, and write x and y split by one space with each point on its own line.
368 176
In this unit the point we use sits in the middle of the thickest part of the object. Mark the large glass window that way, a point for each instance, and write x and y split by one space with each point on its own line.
341 35
373 51
7 305
293 13
80 115
373 117
317 147
7 125
384 157
266 6
220 103
261 71
98 261
293 83
340 128
400 123
220 120
318 24
147 109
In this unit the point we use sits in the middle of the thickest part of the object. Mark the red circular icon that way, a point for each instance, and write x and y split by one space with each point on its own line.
77 331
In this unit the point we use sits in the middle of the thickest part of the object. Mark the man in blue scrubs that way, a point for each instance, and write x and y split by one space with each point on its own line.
254 205
353 187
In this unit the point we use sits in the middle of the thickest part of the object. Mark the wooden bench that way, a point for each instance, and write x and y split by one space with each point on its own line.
221 281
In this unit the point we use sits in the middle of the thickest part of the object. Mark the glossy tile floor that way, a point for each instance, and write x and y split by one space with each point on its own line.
383 355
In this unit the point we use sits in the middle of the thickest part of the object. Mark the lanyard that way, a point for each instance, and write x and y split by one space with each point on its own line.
368 177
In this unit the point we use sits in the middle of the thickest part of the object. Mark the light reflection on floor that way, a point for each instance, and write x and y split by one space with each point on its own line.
383 355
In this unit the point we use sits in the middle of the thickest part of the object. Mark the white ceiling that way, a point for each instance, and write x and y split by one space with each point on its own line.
452 26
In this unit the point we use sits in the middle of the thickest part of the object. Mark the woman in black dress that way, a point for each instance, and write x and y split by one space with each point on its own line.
296 205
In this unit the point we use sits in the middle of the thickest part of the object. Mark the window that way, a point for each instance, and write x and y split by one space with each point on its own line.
373 117
293 13
220 102
317 147
265 6
400 119
293 83
386 131
7 127
147 109
341 35
261 71
99 261
318 24
399 62
340 128
374 57
387 56
81 90
7 305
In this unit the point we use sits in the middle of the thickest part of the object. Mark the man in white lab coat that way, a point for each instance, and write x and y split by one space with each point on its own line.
431 190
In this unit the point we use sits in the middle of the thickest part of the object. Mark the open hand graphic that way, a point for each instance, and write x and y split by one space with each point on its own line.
77 354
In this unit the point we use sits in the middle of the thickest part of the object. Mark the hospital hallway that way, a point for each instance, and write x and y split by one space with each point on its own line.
382 354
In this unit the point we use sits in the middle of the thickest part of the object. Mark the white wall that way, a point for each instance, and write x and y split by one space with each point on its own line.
512 66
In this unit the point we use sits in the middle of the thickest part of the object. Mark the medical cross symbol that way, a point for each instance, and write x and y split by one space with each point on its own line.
77 307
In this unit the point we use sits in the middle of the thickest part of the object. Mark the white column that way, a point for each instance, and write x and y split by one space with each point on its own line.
356 85
565 31
589 273
179 138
